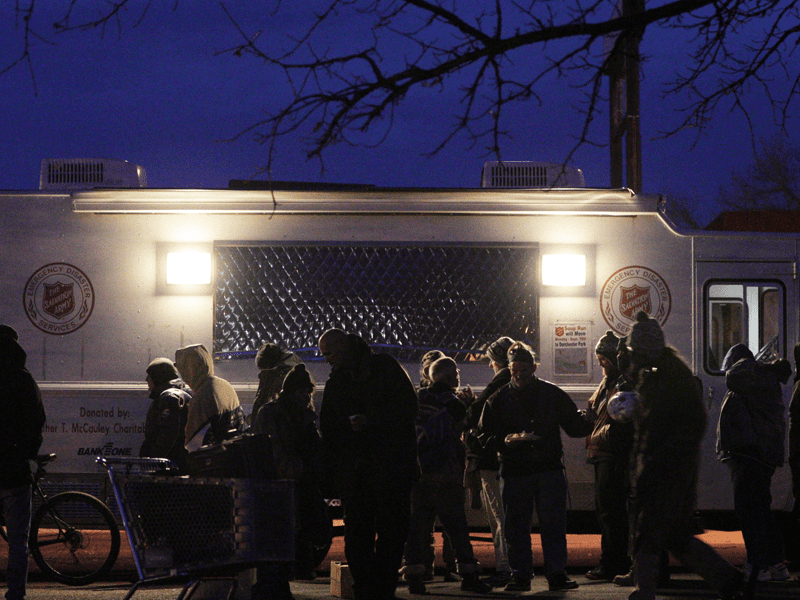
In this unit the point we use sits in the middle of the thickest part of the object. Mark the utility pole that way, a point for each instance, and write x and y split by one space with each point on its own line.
623 81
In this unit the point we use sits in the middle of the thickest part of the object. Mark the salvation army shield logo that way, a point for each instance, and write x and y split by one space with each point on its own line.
630 290
633 299
58 298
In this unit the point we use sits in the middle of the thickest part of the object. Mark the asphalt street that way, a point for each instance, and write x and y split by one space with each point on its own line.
583 552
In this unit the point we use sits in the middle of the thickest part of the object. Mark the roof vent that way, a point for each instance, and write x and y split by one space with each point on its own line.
526 174
88 173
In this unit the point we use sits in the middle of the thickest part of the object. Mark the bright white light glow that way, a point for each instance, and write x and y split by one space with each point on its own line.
189 268
564 269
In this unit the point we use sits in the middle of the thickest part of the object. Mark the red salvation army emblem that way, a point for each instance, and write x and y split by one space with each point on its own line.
633 299
630 290
559 331
58 299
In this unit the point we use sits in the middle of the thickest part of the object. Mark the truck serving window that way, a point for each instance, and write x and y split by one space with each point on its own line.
405 299
751 313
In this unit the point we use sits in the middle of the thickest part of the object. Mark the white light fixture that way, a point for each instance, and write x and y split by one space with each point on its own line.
188 268
563 269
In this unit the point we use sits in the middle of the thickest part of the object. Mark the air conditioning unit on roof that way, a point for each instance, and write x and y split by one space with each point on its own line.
526 174
88 173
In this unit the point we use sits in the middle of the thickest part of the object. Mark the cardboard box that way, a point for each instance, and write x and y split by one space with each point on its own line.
341 580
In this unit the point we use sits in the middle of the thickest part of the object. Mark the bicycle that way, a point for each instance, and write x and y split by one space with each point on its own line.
74 536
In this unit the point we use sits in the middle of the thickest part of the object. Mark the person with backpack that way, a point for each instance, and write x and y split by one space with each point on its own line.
440 490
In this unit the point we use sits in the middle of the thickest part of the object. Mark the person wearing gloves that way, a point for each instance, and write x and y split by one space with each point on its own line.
214 412
165 422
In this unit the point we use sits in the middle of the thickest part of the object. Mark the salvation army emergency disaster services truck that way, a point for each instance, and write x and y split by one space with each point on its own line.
99 282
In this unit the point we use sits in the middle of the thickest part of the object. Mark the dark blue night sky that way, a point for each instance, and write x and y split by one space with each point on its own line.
161 96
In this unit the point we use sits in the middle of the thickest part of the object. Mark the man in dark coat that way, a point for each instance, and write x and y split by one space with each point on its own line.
20 438
523 422
166 418
669 429
367 423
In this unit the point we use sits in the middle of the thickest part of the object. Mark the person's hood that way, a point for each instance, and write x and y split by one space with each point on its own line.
195 364
12 356
735 354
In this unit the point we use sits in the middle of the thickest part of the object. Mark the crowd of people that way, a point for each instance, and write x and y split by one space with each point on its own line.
402 458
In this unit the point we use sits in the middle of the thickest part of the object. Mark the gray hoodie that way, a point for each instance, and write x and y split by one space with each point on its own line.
214 410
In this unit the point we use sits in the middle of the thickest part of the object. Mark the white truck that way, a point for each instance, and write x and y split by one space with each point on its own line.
86 284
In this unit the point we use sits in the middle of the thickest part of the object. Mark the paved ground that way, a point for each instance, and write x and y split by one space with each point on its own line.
584 551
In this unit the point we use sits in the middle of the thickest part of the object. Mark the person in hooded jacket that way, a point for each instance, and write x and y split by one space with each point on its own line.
273 365
607 450
214 412
166 418
20 438
750 440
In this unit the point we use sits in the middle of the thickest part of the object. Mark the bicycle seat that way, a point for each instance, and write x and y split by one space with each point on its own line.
43 459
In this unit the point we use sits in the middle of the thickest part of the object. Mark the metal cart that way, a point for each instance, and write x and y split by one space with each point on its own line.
203 530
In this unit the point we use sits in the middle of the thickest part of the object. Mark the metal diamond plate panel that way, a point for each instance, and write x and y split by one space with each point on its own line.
406 299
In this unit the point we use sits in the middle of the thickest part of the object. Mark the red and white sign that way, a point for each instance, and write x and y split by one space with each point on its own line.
630 290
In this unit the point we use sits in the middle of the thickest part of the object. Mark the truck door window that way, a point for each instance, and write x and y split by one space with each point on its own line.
750 313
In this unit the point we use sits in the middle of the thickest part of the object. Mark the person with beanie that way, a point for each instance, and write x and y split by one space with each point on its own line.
668 432
273 365
607 450
291 424
486 462
523 421
428 359
750 441
166 418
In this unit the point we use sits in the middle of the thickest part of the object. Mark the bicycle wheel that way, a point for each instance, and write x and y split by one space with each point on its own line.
74 538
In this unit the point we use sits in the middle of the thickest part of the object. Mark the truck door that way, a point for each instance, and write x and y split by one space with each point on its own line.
754 303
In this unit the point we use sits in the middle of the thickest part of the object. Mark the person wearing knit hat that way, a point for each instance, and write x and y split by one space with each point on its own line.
486 463
498 350
166 418
607 346
646 340
274 364
428 359
523 422
291 424
668 439
607 449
